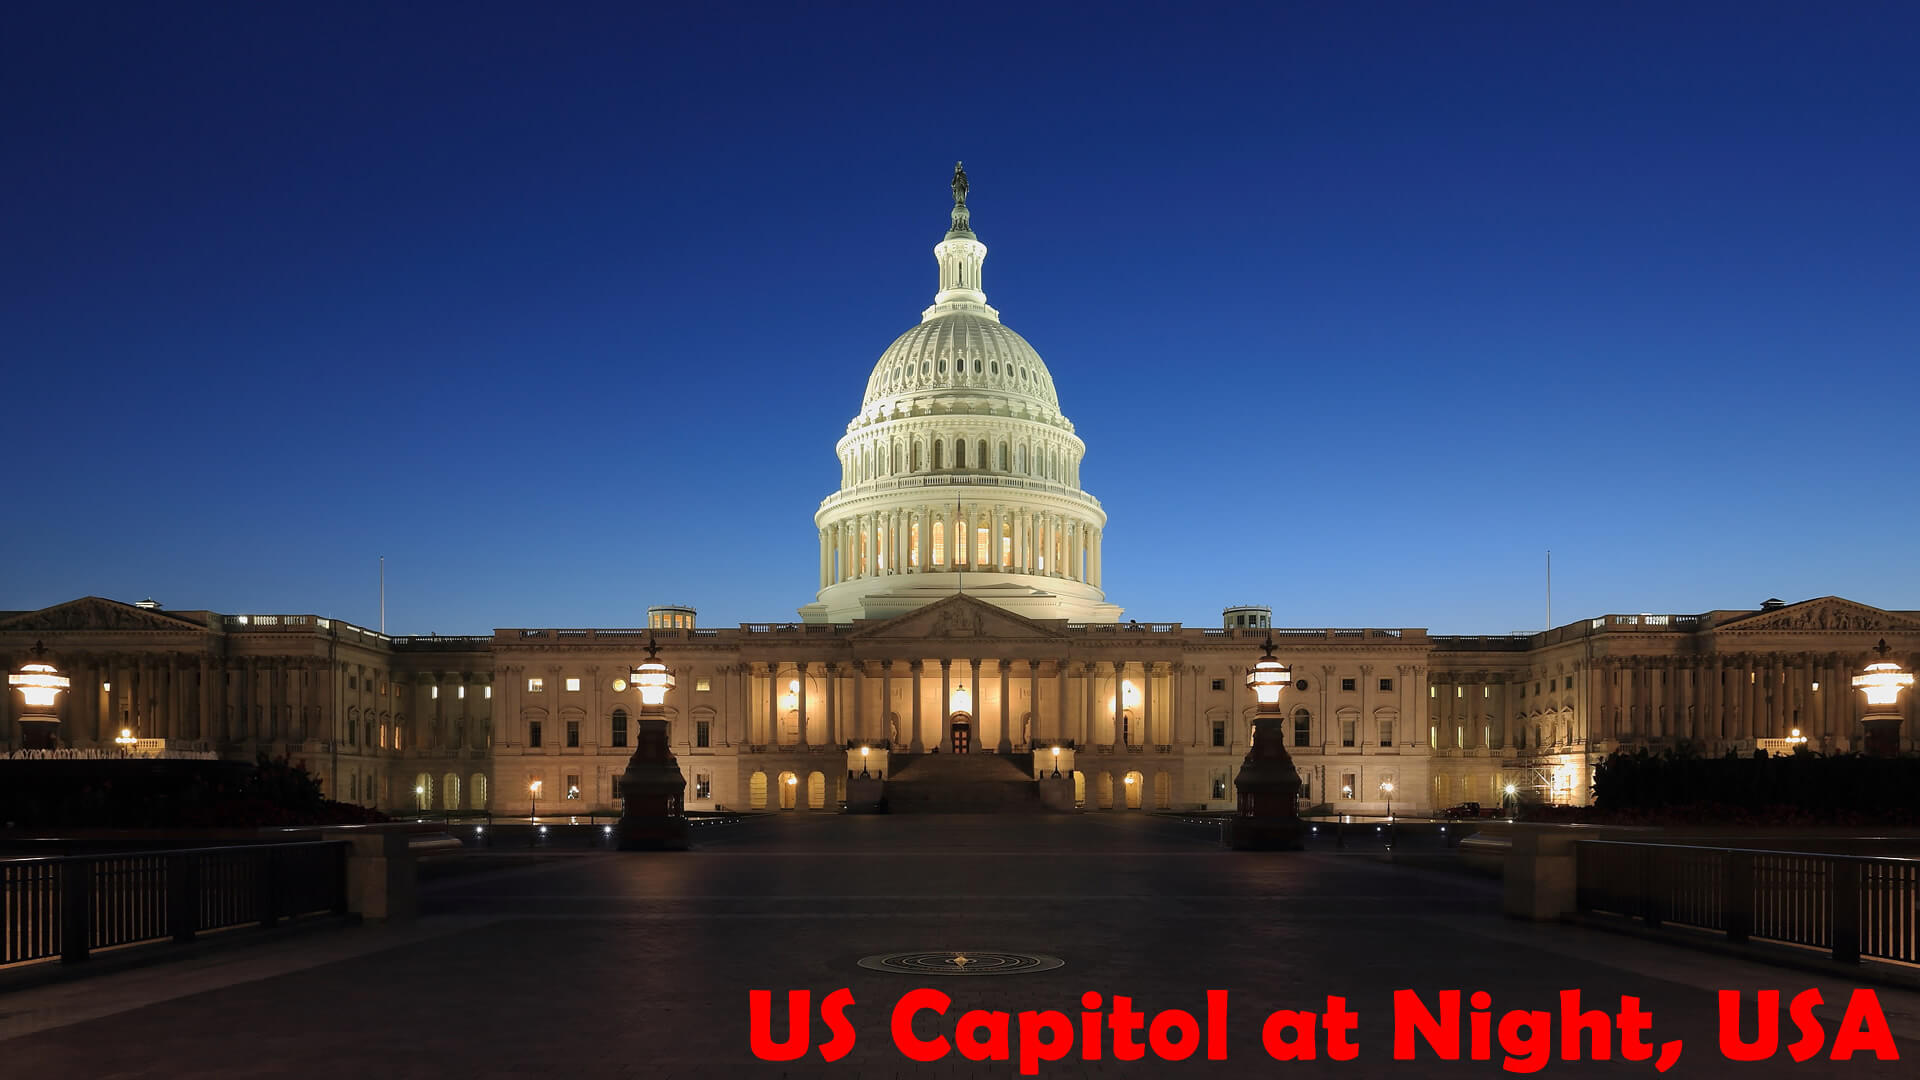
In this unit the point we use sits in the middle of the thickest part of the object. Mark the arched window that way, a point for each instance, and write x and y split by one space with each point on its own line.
1003 457
982 458
939 543
893 465
1020 460
938 455
477 792
916 457
960 454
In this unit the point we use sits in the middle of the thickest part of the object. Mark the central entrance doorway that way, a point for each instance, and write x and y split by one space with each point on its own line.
960 732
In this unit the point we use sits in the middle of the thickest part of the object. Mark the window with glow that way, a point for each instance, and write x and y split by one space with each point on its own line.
434 693
487 692
702 786
573 686
984 545
573 785
913 544
535 686
1348 786
1386 733
1347 732
939 543
460 692
702 685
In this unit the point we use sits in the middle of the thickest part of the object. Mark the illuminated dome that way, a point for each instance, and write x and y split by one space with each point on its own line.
960 435
962 352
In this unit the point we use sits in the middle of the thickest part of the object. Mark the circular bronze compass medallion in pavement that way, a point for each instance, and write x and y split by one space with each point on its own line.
970 962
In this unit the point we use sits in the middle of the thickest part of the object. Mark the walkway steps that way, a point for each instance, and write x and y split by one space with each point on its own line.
960 784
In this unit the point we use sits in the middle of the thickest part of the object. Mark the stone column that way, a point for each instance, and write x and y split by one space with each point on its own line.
946 701
1005 745
914 745
800 702
1033 699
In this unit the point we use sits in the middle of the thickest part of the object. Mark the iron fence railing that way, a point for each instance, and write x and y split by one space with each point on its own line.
65 907
1852 906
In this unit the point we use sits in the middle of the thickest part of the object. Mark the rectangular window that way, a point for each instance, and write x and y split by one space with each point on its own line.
1347 684
616 787
1219 787
1219 684
535 686
573 686
1433 691
1302 731
1459 691
1348 782
353 682
487 693
1347 732
702 786
573 785
1386 684
619 727
434 692
703 733
533 733
1386 733
702 685
1219 733
461 693
573 733
1569 682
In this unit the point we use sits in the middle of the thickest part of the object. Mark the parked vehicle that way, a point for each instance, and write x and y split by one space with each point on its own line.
1466 810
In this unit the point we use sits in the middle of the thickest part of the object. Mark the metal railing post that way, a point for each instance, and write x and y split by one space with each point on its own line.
76 909
183 896
1651 880
1843 909
267 886
1736 895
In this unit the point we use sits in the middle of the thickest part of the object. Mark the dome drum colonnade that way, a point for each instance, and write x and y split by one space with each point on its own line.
960 470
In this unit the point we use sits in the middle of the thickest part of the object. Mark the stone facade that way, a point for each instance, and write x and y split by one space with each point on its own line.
469 723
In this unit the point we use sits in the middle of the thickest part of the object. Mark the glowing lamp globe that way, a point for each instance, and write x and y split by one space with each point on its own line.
652 678
1268 677
1883 682
40 684
962 700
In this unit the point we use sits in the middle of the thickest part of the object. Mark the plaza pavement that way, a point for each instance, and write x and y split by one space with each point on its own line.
607 964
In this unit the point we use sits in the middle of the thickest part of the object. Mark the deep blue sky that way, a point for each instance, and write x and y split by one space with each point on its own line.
1359 307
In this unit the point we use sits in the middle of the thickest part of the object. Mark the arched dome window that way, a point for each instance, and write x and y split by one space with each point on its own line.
982 457
1003 457
939 457
894 465
918 458
1020 460
960 453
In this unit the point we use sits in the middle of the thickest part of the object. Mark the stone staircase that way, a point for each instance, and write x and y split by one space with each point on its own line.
960 784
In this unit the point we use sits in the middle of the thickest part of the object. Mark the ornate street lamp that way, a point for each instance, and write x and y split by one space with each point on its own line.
1268 815
653 789
1386 788
40 685
1882 682
533 793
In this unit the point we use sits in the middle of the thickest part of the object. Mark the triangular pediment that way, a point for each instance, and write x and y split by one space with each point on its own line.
94 613
959 616
1828 613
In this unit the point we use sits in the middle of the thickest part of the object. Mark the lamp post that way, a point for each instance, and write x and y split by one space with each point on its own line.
40 685
864 752
420 795
1882 682
533 811
1267 815
1056 763
1508 797
1386 788
653 789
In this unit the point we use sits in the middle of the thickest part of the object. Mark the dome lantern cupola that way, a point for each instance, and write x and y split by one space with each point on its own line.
960 255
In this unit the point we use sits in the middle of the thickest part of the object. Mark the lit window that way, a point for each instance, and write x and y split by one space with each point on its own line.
487 693
702 786
1433 691
1347 733
573 686
1459 691
535 686
1219 787
573 785
702 685
107 687
1386 733
1347 785
460 692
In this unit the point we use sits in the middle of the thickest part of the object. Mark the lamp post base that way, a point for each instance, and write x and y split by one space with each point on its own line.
652 833
1267 834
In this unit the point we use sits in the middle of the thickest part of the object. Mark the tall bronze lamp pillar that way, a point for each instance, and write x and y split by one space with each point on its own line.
1267 816
653 789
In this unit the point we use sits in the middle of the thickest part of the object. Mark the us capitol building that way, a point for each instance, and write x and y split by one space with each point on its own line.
960 609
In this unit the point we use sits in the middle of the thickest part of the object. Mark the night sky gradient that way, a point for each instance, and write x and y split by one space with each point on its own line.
1359 307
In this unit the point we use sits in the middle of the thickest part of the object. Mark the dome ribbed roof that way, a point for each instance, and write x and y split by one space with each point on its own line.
964 352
